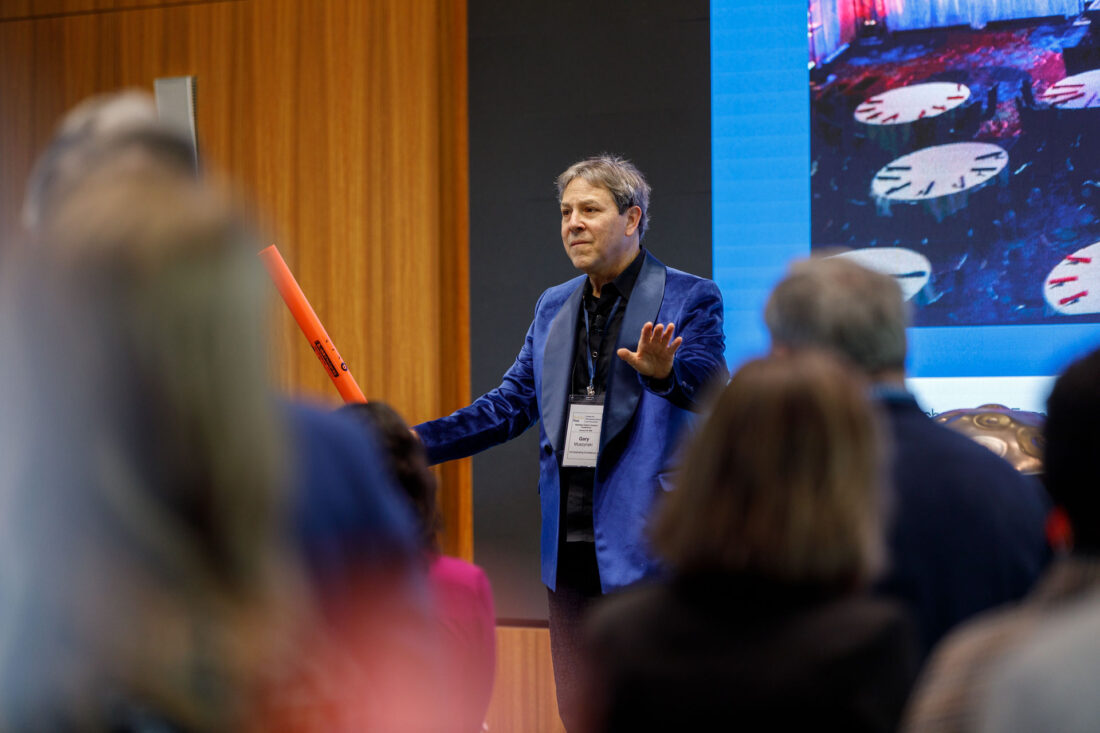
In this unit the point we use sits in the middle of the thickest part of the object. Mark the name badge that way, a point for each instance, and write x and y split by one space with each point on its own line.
582 435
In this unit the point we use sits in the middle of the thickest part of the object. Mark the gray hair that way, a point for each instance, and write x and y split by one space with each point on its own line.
833 303
99 128
624 182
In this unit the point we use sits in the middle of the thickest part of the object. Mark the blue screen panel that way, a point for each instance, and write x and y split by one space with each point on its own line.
761 165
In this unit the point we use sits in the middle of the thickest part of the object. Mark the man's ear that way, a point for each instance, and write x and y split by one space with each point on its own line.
633 219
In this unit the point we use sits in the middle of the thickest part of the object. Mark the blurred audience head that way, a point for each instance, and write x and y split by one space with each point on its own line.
782 482
407 461
141 526
121 128
833 303
1072 431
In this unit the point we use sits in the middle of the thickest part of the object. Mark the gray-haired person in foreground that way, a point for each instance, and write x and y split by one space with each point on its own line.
966 531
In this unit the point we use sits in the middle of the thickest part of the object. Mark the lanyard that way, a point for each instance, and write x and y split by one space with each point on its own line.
591 389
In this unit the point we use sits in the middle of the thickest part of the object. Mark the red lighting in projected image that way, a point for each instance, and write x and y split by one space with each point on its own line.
871 11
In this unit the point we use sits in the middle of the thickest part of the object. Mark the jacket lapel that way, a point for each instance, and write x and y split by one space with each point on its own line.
557 367
623 389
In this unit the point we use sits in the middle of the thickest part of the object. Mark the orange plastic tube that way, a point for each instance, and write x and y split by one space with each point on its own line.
311 326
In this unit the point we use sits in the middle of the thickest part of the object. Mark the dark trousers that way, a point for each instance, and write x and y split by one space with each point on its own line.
578 587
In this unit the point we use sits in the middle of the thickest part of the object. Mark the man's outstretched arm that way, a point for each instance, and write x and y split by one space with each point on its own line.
493 418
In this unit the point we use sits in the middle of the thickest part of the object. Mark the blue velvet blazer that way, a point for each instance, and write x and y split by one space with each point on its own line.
641 427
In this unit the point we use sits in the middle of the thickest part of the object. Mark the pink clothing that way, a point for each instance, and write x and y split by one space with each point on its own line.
464 605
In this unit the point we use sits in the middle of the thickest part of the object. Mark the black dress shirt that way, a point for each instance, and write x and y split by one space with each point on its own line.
605 320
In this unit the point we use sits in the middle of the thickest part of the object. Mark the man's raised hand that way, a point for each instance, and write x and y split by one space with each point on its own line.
656 349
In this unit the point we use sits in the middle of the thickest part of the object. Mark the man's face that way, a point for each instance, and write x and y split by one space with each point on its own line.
598 239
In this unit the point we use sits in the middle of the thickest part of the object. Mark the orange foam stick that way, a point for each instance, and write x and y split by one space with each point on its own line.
311 326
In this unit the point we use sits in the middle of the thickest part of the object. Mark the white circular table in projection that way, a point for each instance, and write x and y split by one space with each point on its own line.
1080 91
1073 287
940 170
910 269
914 102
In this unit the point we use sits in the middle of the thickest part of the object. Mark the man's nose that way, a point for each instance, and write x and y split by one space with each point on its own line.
575 222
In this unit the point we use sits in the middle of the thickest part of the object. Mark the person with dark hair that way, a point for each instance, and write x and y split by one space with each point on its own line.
407 462
967 529
771 536
463 598
612 368
955 683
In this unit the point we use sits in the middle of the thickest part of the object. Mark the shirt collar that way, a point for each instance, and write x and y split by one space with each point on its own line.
623 285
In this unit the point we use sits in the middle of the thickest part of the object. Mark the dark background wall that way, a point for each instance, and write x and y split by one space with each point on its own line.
549 84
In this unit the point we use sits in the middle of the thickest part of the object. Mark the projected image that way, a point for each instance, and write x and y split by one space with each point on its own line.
956 146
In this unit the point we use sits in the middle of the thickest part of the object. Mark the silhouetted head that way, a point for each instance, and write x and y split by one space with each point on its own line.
408 462
783 479
1072 433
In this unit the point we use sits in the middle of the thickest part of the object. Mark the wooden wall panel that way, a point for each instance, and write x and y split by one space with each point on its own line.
523 694
345 122
23 9
453 336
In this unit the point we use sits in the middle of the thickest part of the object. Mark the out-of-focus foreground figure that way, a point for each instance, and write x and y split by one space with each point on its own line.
76 148
771 535
461 592
146 575
955 686
142 293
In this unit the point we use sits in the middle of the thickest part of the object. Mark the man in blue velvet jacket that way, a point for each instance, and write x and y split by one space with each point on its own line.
612 367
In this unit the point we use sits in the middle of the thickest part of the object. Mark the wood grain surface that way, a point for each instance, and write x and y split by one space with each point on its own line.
344 121
523 695
24 9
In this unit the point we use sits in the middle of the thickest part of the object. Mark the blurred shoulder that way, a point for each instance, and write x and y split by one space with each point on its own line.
916 432
458 571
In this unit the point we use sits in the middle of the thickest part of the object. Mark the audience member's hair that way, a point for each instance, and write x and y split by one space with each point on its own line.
142 530
619 176
1071 431
833 303
409 463
782 480
104 128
